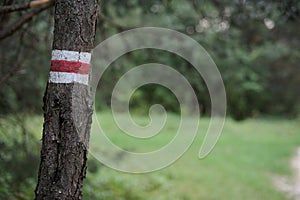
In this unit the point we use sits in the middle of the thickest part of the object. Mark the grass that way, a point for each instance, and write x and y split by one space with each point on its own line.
241 165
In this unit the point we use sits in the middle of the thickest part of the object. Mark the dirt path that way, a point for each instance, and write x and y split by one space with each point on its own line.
291 187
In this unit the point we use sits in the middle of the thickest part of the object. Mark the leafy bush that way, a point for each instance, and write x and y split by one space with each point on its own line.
19 155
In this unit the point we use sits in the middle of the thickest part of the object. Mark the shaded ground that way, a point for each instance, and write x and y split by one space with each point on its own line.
291 186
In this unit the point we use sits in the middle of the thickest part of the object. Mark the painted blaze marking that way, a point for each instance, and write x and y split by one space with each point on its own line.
69 67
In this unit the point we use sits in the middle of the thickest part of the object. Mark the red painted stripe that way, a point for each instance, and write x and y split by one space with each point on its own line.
69 66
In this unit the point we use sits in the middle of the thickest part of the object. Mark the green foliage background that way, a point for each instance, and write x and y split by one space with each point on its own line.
259 65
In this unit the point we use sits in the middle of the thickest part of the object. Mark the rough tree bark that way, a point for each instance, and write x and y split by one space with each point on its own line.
67 108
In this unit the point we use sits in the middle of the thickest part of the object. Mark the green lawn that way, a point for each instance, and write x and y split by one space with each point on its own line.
240 167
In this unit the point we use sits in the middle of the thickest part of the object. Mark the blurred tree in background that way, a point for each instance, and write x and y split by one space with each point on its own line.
255 45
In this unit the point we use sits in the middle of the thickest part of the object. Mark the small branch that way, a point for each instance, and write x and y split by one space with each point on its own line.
14 7
23 6
39 3
14 70
26 18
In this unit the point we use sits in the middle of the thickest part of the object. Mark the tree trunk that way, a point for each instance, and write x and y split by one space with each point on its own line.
67 102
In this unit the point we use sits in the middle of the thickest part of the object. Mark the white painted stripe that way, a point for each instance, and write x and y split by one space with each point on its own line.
65 77
71 56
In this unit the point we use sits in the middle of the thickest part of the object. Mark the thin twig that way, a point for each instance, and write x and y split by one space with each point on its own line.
26 18
13 71
23 6
14 7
